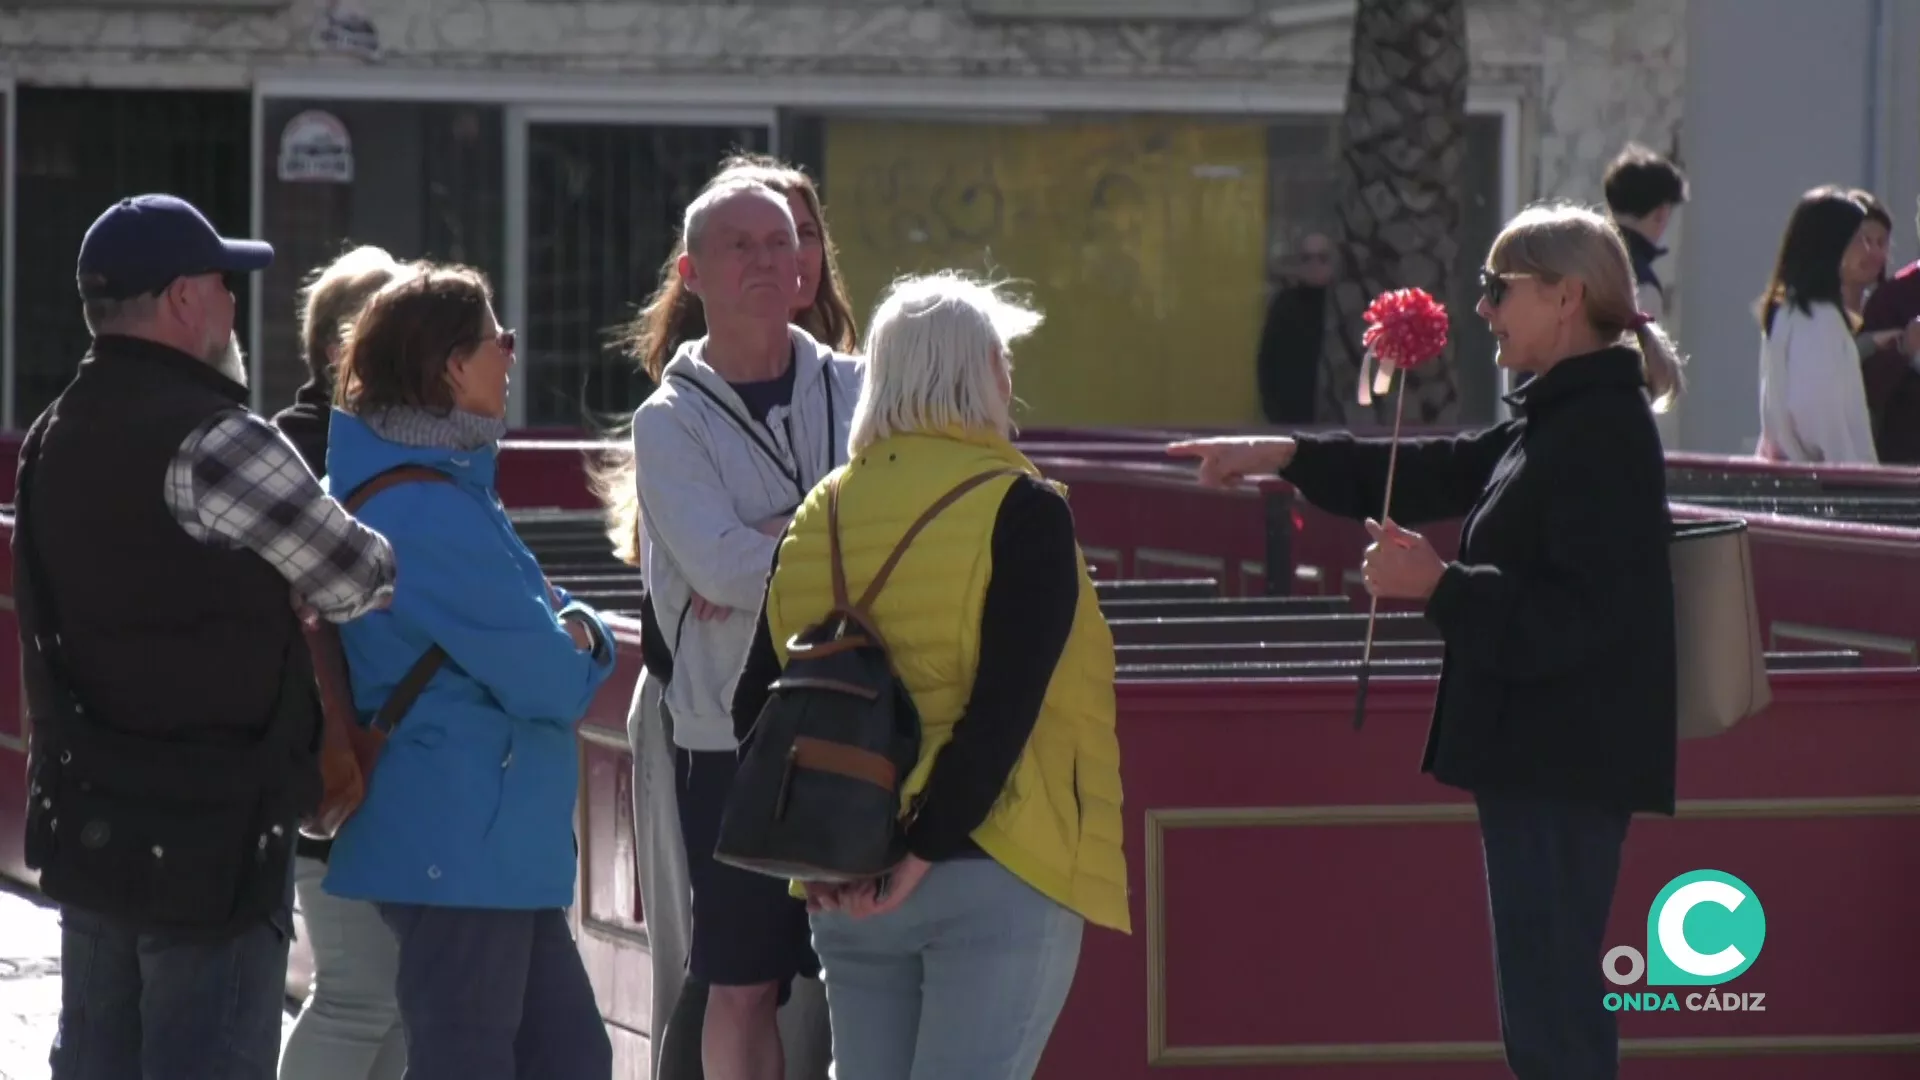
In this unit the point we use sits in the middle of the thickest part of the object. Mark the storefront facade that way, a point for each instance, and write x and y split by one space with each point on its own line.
1145 180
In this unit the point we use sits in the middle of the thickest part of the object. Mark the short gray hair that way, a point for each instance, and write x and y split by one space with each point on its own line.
694 225
935 352
108 316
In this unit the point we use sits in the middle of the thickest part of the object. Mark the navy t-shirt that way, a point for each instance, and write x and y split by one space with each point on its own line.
761 397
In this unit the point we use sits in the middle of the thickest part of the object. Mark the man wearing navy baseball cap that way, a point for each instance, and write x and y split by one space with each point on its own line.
161 527
157 260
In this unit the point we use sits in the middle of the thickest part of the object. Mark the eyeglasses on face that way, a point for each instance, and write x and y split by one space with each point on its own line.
1494 285
505 339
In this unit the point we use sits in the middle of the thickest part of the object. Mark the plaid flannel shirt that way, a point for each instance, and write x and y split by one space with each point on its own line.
236 482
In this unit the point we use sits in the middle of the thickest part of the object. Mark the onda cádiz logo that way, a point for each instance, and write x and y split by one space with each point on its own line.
1704 929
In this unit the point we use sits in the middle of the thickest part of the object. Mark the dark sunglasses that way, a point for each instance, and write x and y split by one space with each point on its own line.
1494 286
505 339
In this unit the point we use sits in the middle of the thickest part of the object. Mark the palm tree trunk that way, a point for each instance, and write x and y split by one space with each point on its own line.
1401 142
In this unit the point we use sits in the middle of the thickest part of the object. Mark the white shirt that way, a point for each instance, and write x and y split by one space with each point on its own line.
1813 404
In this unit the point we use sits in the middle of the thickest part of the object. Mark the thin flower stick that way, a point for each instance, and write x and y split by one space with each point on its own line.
1406 327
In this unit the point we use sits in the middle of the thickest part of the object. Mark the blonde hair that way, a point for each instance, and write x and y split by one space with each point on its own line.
333 297
936 350
1561 240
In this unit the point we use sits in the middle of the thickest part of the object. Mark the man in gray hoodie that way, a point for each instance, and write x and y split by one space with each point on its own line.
746 421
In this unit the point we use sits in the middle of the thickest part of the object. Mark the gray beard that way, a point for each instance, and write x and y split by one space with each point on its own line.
230 361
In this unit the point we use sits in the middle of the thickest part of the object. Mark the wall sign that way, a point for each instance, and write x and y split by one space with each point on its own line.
316 149
344 28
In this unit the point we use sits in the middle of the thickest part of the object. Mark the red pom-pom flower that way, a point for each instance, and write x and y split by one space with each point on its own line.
1405 328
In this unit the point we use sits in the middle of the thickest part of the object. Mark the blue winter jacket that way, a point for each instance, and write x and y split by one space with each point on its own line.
472 801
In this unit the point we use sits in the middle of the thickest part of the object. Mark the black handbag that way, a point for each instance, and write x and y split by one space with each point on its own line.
171 836
817 795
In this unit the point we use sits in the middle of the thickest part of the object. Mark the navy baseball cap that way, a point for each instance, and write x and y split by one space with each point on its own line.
140 245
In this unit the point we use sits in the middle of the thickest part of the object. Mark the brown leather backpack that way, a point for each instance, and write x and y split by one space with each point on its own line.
348 751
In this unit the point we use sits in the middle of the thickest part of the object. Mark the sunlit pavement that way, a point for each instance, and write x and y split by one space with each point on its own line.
30 985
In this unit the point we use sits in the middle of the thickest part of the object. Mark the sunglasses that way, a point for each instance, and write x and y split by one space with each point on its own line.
1494 286
505 339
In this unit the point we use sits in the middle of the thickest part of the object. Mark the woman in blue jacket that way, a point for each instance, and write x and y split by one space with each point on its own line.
465 840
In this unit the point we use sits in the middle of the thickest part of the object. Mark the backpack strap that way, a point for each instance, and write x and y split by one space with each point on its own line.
864 605
415 681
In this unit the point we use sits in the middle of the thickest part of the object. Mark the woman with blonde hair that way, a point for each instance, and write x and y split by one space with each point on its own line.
955 965
349 1028
332 297
1557 703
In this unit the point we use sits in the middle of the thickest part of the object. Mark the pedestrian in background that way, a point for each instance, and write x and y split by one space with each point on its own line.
349 1027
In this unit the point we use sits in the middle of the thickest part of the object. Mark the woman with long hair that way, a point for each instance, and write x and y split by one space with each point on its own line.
1864 267
1813 402
673 317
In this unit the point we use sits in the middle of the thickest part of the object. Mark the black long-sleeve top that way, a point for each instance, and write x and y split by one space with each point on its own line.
1027 615
305 423
1559 678
1288 363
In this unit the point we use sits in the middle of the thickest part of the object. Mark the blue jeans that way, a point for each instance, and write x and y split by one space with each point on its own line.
1551 870
160 1007
963 982
495 995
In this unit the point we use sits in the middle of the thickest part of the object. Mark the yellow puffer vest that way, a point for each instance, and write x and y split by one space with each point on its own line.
1057 824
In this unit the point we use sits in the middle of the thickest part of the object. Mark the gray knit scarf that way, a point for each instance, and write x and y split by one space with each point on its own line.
453 430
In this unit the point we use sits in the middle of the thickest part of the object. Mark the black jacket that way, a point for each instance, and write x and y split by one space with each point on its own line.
1559 677
1642 252
305 424
1288 366
165 636
176 726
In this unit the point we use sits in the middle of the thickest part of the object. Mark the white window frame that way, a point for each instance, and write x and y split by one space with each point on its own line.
520 118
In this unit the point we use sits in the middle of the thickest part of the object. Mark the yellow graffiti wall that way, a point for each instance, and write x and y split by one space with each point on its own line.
1142 240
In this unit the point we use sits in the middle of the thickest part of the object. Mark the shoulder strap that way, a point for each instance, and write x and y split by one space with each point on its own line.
394 477
415 681
833 441
746 428
879 582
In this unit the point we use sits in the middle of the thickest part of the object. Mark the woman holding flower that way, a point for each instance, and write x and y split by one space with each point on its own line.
1557 706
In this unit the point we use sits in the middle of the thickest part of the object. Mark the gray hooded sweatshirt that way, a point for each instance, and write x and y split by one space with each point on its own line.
708 476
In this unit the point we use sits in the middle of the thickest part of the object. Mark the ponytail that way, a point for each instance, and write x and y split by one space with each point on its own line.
1661 361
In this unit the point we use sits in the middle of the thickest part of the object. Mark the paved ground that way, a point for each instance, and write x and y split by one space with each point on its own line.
29 984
